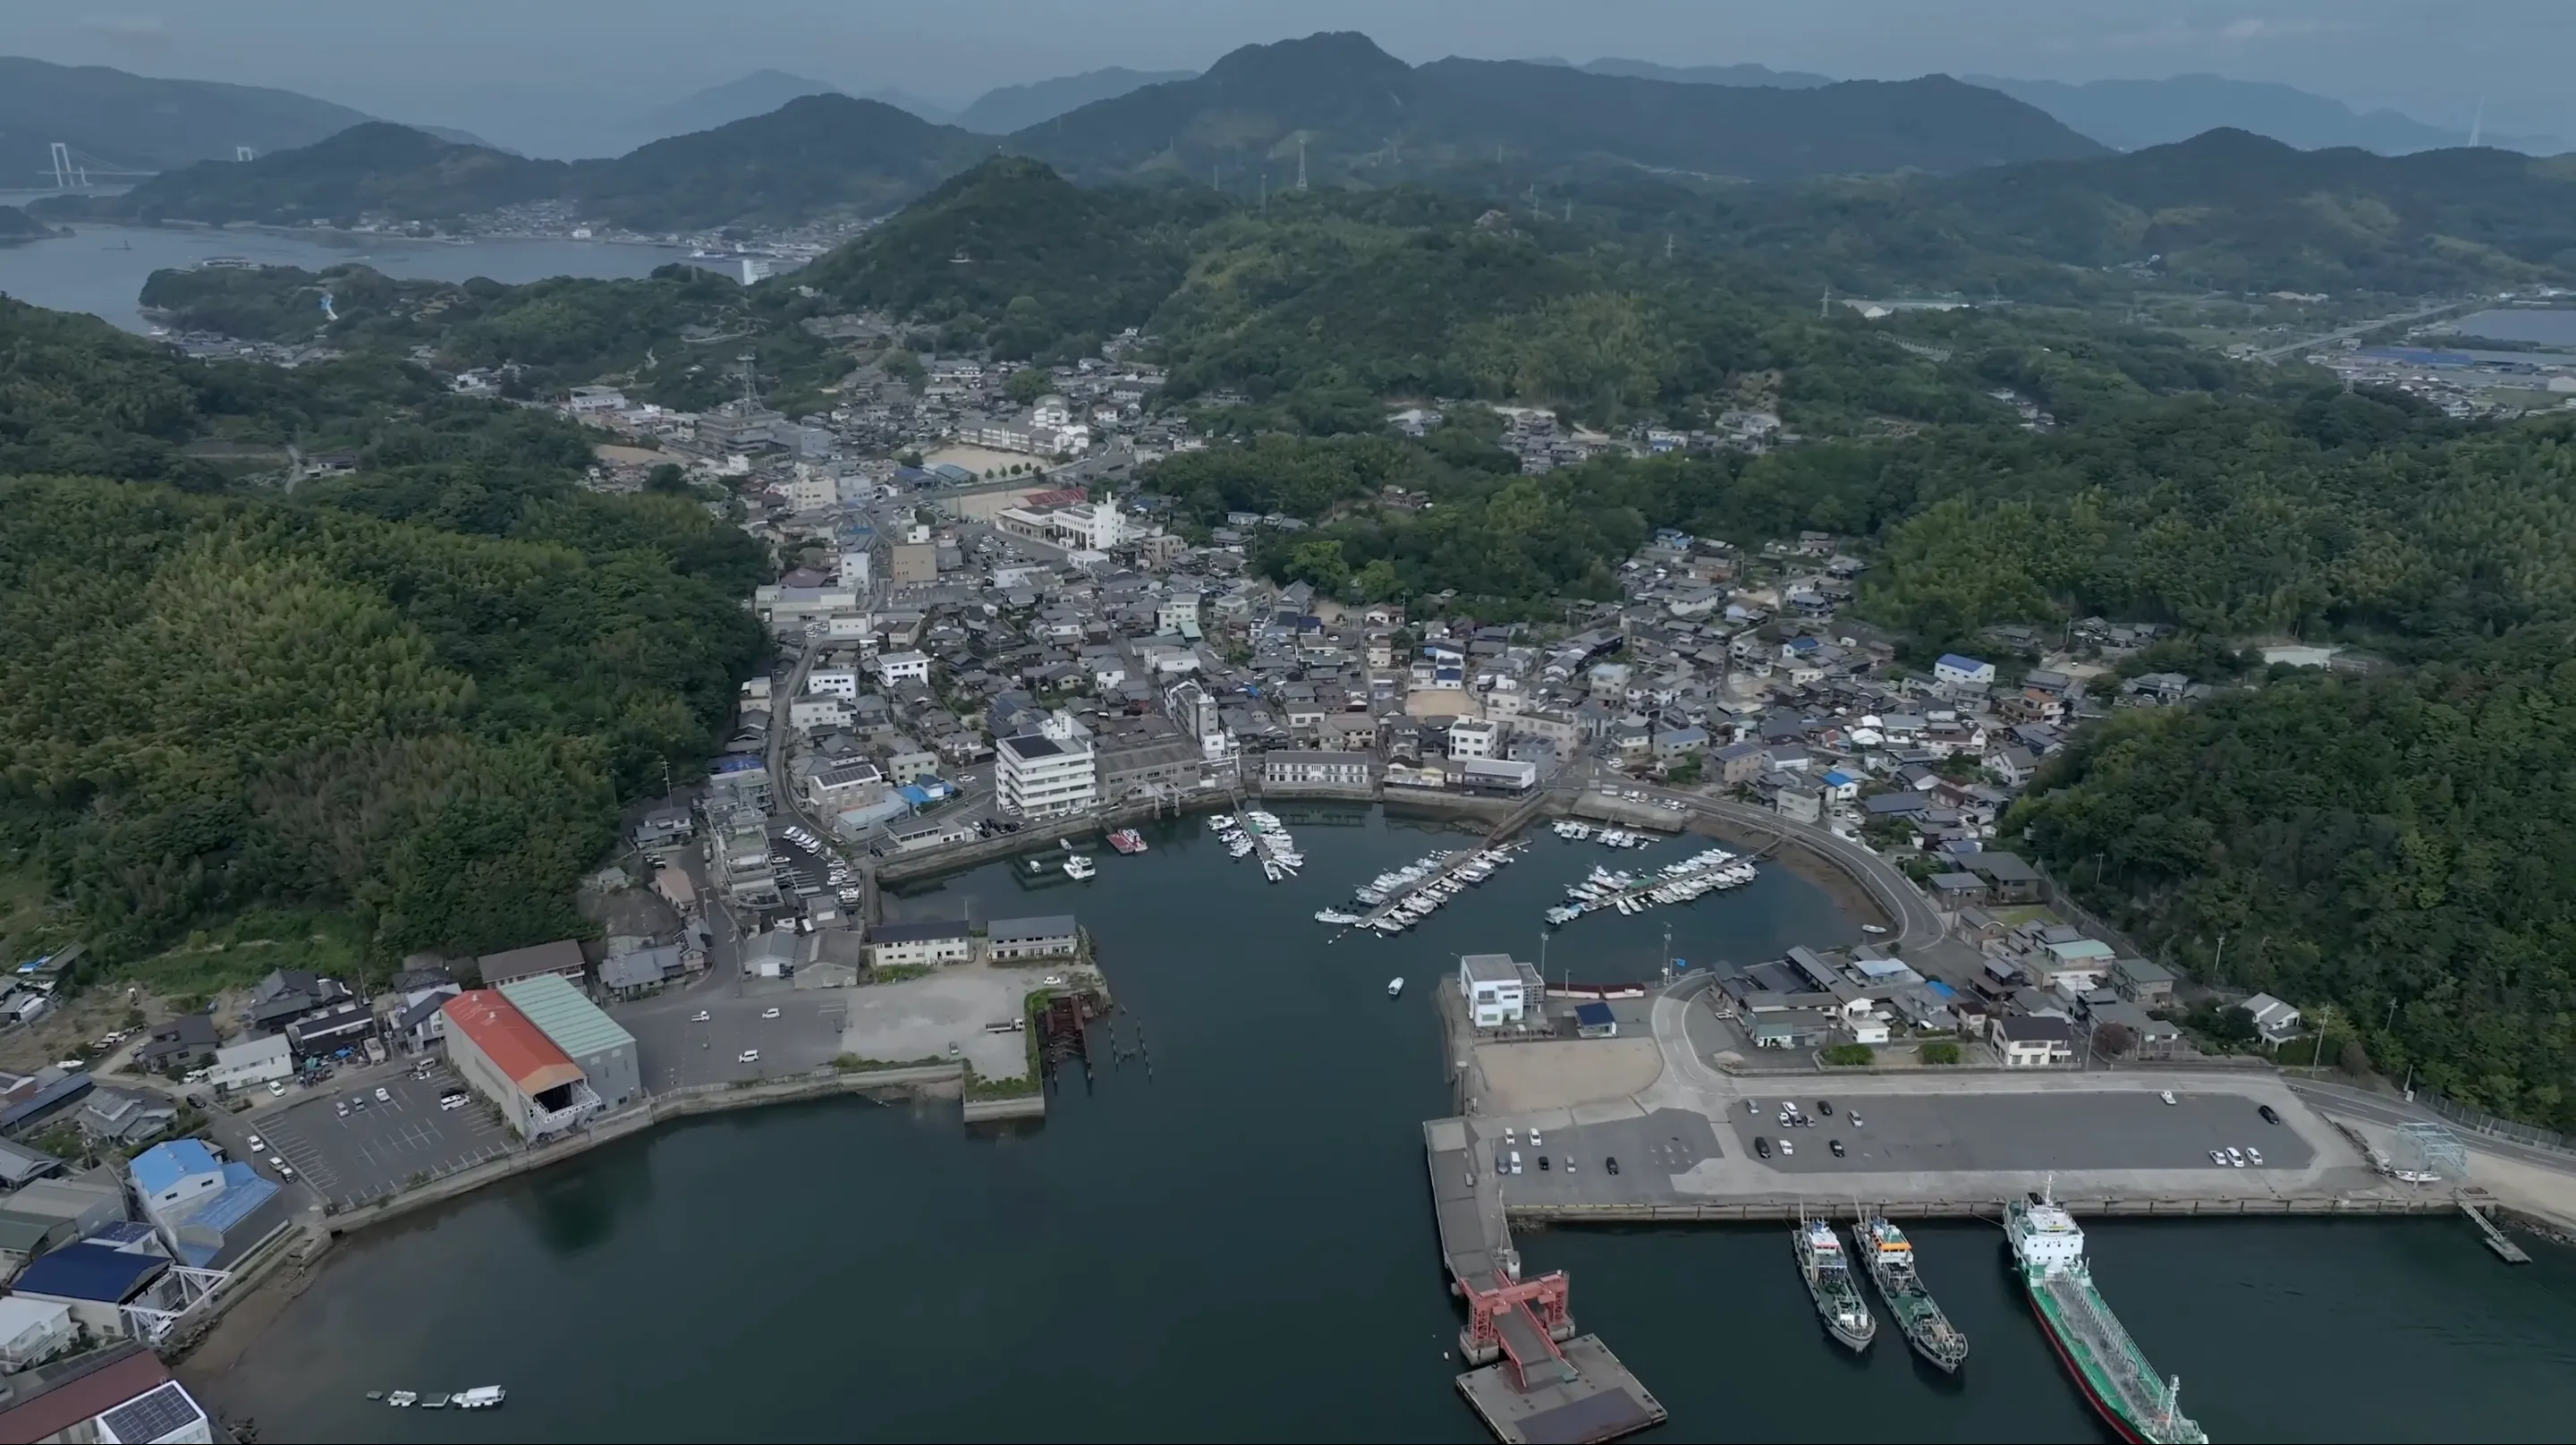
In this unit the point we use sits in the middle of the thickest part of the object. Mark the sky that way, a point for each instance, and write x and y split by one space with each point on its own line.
452 61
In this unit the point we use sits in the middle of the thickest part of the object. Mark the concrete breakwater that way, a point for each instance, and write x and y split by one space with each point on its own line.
1771 1210
925 1080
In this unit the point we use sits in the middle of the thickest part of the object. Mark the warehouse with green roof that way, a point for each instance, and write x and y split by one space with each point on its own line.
591 1039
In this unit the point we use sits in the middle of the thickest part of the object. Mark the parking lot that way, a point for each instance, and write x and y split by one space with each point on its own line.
803 868
1650 1150
674 1048
2013 1132
349 1159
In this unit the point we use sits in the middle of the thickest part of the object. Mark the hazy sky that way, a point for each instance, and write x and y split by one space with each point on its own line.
438 60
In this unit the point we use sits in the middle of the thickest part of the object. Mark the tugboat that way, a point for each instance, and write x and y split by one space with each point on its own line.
1890 1257
1829 1283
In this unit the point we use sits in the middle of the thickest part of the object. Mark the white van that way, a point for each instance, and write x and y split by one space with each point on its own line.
1516 1161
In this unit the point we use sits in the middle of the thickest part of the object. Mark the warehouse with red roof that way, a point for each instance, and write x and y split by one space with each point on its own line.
507 1059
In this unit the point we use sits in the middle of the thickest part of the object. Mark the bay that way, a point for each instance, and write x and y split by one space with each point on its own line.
101 269
2530 326
1240 1245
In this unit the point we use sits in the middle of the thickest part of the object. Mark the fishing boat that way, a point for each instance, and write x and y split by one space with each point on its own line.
1827 1271
1335 916
1395 987
1127 840
481 1397
403 1399
1079 867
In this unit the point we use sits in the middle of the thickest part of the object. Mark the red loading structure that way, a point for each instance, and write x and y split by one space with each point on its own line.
1523 1319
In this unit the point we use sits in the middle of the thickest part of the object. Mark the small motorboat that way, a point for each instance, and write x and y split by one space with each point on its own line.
481 1397
401 1399
1395 988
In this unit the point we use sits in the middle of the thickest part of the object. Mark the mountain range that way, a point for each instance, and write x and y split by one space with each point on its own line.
815 155
1356 111
116 121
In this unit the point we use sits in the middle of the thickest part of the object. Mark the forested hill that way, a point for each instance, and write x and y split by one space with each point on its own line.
818 155
1363 113
2225 210
2393 852
416 695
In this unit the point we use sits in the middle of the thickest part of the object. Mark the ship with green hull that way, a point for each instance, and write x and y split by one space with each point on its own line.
2048 1253
1890 1258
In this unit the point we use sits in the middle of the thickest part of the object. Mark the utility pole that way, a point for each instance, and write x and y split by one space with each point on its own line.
1301 163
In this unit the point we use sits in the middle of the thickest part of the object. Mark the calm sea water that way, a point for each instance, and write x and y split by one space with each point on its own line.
101 269
2539 328
1241 1246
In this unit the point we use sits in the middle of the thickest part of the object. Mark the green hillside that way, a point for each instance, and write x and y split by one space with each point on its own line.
417 695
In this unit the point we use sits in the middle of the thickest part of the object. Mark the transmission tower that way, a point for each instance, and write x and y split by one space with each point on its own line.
1301 163
750 383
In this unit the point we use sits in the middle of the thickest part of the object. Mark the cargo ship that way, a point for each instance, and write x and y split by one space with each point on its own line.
1829 1283
1890 1257
2048 1252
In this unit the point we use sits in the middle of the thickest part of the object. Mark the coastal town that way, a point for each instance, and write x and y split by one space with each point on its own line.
992 640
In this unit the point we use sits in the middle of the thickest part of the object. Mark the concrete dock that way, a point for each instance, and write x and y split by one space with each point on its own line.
1538 1381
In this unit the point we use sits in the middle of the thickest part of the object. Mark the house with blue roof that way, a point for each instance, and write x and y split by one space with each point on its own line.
1840 786
172 1179
224 1228
1953 670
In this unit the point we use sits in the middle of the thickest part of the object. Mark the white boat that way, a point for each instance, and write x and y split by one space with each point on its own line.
1335 916
1394 987
1079 866
481 1397
403 1399
1871 928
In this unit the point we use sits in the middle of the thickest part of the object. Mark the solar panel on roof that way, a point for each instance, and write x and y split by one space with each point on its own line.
157 1413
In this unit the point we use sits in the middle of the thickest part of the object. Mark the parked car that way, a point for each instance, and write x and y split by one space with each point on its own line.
2166 1095
769 1013
1836 1145
382 1097
2253 1155
2218 1157
276 1090
747 1056
255 1144
1542 1164
699 1017
1825 1107
2270 1115
1761 1146
1787 1148
1611 1163
2235 1159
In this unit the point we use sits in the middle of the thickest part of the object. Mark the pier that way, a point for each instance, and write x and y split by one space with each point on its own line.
2505 1249
1536 1379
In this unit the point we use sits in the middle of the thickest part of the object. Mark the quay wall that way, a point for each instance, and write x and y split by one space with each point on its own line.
2114 1206
928 1080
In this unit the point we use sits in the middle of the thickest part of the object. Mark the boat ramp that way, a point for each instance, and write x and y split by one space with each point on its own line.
1535 1380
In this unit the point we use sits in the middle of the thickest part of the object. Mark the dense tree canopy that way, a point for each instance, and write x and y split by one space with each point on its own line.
419 693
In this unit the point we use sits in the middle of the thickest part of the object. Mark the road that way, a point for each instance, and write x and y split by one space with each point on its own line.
2302 347
2352 1103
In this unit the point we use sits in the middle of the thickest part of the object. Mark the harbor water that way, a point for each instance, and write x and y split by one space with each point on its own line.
1239 1244
101 269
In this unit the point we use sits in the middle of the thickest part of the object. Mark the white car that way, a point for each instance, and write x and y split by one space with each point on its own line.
255 1144
453 1102
1788 1148
701 1016
2166 1095
1535 1141
2235 1160
769 1013
1511 1136
747 1056
2218 1157
382 1097
276 1090
1855 1121
2253 1155
275 1162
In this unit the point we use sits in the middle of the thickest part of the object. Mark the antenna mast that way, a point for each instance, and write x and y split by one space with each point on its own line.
1301 163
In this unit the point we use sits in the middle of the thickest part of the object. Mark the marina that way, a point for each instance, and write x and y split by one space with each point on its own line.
1710 871
1402 897
1261 836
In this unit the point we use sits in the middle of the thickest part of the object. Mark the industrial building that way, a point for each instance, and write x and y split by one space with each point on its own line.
1491 983
604 1052
510 1061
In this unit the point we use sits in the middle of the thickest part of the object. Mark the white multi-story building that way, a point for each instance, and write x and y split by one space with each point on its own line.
1049 772
837 681
1474 737
1091 526
1491 984
1172 611
896 668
